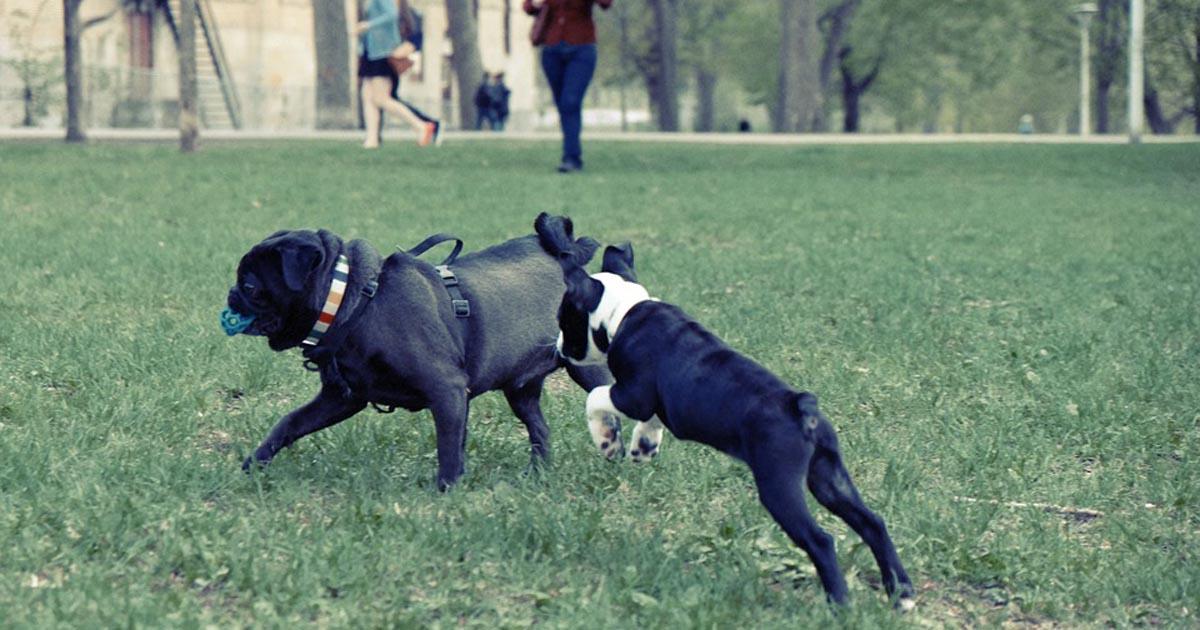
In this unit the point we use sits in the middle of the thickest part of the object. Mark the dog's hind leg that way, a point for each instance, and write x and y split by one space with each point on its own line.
779 464
327 409
526 404
830 483
646 437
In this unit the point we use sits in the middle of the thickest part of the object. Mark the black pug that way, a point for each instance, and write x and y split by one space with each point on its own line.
671 372
385 332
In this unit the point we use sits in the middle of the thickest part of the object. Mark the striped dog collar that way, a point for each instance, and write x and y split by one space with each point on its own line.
337 289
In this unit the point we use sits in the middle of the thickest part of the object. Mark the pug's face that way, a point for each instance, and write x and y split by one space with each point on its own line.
277 285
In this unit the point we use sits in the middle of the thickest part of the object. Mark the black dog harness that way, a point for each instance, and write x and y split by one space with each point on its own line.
462 308
320 358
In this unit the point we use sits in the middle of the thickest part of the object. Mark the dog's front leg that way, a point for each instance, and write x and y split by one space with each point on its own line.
327 409
604 422
450 422
643 444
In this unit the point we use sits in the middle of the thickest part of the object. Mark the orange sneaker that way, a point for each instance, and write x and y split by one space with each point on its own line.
432 134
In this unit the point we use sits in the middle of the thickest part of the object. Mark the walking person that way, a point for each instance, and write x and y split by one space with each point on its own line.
568 41
498 94
379 40
483 105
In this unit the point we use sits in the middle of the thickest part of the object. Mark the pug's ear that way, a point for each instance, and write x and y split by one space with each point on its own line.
618 259
299 259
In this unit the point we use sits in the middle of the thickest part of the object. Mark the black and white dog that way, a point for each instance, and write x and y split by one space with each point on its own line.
671 372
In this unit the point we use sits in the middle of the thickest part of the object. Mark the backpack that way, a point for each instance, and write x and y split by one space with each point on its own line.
412 27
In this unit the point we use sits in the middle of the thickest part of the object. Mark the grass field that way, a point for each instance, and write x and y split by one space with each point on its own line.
996 323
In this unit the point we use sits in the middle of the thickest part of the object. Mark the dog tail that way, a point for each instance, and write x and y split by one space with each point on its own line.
556 234
810 414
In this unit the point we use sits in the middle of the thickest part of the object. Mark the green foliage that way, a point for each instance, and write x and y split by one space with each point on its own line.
1007 323
39 69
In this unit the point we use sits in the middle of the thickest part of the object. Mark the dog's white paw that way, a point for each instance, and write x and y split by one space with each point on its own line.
647 436
606 434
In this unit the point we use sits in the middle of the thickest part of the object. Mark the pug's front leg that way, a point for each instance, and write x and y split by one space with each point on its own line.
643 444
604 422
327 409
450 411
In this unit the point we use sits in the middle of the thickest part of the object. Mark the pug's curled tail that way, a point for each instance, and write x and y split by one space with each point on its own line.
556 234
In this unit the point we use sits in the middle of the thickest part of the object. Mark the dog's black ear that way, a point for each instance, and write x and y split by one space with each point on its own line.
585 248
618 259
299 257
553 235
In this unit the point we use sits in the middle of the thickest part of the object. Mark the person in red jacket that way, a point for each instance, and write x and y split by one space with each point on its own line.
569 59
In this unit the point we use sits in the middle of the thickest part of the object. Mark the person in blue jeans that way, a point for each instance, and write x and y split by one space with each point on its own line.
568 41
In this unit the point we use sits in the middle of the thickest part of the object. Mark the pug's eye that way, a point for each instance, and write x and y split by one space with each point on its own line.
251 289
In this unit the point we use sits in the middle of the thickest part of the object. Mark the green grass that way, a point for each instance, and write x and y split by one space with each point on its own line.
1005 323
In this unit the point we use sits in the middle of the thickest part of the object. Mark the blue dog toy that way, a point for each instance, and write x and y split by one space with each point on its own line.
234 322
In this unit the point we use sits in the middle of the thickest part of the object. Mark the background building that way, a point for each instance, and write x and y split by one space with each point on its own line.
131 65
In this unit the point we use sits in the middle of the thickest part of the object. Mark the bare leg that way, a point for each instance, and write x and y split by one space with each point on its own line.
371 115
381 92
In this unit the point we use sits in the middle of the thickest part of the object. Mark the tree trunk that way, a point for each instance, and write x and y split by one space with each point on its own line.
467 64
665 29
1102 113
1196 77
189 119
850 109
1159 124
332 45
73 70
853 89
836 21
706 100
799 80
1108 57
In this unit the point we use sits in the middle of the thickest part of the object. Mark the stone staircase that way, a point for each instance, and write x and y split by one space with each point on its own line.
217 95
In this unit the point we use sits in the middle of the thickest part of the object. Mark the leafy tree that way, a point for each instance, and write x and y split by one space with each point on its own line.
36 68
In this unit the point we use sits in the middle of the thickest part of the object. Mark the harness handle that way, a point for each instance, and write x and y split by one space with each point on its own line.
436 239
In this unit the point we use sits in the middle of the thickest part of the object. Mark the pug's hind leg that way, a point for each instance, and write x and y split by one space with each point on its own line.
604 422
643 445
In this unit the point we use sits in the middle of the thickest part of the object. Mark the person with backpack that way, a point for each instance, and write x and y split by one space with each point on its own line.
382 54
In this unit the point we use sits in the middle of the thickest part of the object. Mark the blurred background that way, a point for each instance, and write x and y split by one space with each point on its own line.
852 66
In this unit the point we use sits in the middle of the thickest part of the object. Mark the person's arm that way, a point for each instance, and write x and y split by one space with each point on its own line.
390 12
531 7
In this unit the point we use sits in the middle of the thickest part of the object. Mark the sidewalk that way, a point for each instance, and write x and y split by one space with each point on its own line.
224 135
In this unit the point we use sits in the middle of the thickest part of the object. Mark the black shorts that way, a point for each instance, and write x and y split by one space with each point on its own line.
375 68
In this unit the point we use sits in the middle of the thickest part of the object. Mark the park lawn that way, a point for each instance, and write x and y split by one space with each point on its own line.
983 325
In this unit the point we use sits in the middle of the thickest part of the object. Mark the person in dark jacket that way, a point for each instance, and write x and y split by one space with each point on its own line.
483 105
568 59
